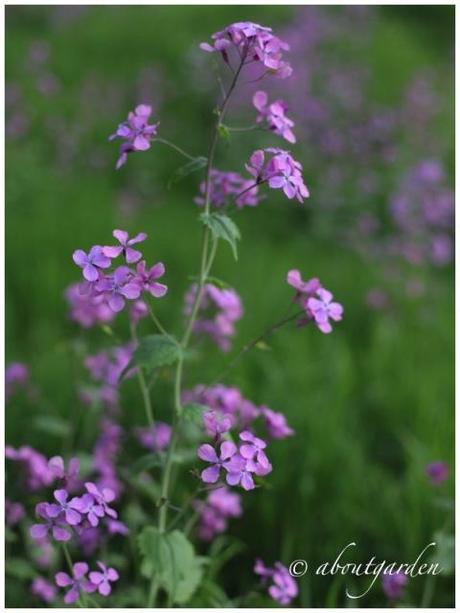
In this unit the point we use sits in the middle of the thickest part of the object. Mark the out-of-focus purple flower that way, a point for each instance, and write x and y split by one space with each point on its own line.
103 578
88 308
322 309
307 288
377 299
220 308
136 132
76 584
220 505
437 472
125 247
16 377
155 438
225 188
217 423
34 464
280 171
147 279
69 477
393 585
138 311
118 287
92 262
105 453
43 589
54 526
207 453
276 424
117 527
14 512
102 497
251 43
283 588
274 115
64 507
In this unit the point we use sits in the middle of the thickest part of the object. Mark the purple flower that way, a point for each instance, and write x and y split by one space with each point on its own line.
393 585
53 525
146 278
220 309
138 311
117 527
102 498
322 309
88 308
220 505
68 508
35 465
217 423
252 450
103 579
14 512
280 171
207 453
251 43
125 247
239 472
136 132
155 438
274 115
118 287
437 472
225 188
92 262
16 376
69 477
77 583
276 424
303 287
283 587
43 589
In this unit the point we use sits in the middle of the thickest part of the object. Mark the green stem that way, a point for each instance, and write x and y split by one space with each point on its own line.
143 386
205 267
68 558
157 322
175 147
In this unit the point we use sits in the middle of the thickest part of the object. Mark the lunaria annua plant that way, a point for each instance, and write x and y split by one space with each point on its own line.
232 436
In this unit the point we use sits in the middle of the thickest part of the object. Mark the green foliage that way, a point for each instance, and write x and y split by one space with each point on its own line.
154 351
171 559
223 227
183 171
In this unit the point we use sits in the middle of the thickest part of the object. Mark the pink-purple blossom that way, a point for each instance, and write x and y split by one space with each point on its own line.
227 188
276 424
279 170
88 308
322 310
92 262
156 437
77 583
220 505
50 526
136 132
64 507
251 43
147 278
103 578
14 512
118 287
16 377
207 453
43 589
437 472
274 115
393 585
282 587
125 247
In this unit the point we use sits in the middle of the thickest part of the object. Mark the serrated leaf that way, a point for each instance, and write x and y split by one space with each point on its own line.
170 557
154 351
223 227
193 166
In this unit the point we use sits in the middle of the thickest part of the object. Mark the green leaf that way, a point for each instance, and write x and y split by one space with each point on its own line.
51 425
154 351
170 557
193 166
21 569
223 227
224 132
193 413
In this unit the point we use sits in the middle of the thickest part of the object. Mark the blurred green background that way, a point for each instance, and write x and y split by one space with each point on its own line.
371 404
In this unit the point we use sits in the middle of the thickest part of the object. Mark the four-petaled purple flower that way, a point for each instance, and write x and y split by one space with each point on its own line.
77 583
103 579
252 450
125 247
217 422
67 508
136 132
118 287
274 115
283 587
322 309
276 424
147 279
102 497
207 453
239 472
92 262
54 526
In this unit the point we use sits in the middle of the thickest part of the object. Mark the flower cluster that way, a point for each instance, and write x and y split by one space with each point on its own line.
136 132
252 44
16 378
315 301
123 283
280 170
154 438
240 464
283 588
227 188
79 583
37 473
219 310
221 504
274 115
88 308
